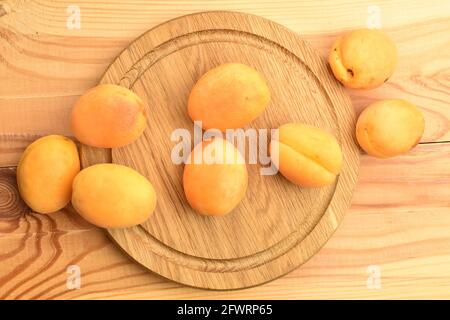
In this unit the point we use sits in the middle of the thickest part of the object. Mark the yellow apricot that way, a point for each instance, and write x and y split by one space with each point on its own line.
306 155
46 171
363 59
113 196
108 116
215 177
388 128
228 97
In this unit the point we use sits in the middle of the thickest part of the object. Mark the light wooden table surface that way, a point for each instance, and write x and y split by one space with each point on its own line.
394 241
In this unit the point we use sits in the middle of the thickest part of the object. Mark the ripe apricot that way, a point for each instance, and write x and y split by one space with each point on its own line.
46 171
108 116
228 97
306 155
215 177
363 59
113 196
388 128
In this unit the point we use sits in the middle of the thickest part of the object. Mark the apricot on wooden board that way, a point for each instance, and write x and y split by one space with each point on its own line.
306 155
228 97
363 59
46 171
113 196
388 128
215 178
108 116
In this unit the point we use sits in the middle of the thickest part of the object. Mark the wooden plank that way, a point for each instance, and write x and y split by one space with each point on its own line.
119 18
44 64
399 212
399 221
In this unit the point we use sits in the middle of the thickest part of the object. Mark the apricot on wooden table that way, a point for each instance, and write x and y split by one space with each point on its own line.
113 196
46 171
306 155
388 128
108 116
228 97
215 177
363 59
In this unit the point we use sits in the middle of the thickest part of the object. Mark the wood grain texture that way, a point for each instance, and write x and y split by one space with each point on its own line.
278 225
399 219
45 66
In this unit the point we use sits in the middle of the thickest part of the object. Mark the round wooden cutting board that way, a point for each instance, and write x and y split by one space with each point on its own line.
278 225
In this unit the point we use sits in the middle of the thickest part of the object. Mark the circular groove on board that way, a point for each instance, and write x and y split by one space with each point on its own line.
129 80
183 264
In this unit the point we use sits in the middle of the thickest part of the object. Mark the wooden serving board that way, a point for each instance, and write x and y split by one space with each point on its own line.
278 225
